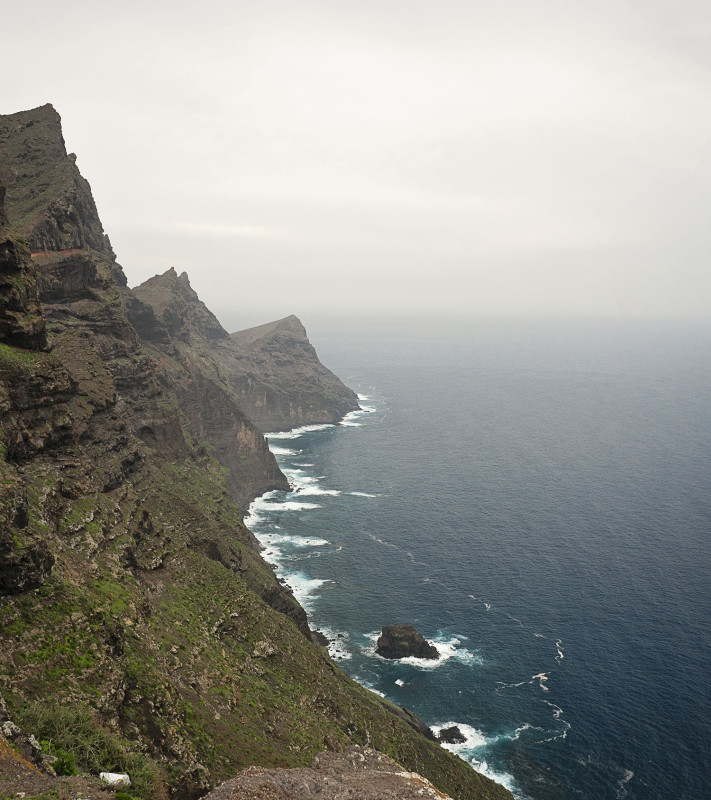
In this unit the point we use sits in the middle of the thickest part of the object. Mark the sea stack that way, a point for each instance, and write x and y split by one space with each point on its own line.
404 641
451 735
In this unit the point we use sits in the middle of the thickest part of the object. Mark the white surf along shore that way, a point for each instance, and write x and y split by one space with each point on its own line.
285 554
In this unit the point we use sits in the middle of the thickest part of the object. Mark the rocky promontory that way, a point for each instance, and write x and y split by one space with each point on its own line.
280 380
404 641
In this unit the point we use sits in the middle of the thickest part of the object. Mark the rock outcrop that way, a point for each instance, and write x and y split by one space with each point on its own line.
22 323
360 773
404 641
134 607
53 208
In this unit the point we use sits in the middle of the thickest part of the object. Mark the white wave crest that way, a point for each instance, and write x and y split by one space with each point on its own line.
558 717
291 505
304 588
369 687
295 433
363 402
471 750
622 783
559 650
315 490
297 541
337 644
283 451
542 677
362 494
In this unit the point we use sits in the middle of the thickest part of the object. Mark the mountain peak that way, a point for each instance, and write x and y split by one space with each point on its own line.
178 307
48 201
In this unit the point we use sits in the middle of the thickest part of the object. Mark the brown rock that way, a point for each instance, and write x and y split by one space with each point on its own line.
358 773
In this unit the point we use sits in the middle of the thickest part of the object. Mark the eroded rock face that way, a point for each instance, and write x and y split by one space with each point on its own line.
22 569
54 207
404 641
22 323
181 328
360 773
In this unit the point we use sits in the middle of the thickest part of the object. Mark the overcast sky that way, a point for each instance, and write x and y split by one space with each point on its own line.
350 155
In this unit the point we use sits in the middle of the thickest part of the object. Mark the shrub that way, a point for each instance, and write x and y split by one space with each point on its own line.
78 740
65 764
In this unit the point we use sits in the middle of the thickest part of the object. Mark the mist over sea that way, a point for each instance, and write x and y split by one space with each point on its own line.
535 497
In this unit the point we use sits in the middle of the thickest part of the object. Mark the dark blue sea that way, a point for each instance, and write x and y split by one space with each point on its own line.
535 497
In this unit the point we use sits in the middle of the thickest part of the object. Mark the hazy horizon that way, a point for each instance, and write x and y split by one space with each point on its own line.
391 159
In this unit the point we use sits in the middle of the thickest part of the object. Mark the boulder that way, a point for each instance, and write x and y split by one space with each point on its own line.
404 641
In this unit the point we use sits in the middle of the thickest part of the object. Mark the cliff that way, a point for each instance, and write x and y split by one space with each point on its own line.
140 630
273 368
279 379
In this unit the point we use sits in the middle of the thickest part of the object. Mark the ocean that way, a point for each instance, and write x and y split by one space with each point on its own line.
535 497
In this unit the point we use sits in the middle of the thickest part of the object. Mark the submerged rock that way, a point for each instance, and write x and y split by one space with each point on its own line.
404 641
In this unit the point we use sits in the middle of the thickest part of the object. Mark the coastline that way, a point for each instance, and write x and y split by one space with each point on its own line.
275 544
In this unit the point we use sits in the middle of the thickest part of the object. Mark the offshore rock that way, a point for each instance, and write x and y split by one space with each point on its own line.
360 773
404 641
451 735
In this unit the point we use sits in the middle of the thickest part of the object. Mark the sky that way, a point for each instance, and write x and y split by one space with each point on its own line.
398 157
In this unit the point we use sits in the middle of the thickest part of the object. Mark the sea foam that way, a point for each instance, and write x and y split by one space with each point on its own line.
472 750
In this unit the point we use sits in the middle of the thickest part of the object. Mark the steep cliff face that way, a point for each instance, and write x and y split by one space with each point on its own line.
279 379
21 320
206 396
134 608
273 368
53 208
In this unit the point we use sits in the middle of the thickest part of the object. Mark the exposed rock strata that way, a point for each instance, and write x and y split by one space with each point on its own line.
404 641
21 321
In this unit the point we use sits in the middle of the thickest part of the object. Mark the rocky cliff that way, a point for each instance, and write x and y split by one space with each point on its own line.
279 379
140 630
273 368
